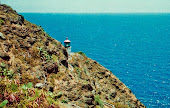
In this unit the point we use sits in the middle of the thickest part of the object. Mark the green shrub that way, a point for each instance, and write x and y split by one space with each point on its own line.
5 71
44 55
25 87
14 87
64 101
81 53
1 21
98 101
4 103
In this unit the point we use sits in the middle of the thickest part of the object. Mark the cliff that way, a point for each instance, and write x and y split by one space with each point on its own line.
36 71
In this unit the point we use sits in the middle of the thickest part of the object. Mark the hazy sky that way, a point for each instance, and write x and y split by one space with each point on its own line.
89 6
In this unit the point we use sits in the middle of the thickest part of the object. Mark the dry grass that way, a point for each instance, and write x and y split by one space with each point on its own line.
28 77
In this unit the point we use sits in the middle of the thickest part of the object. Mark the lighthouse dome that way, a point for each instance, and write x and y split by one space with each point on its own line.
67 41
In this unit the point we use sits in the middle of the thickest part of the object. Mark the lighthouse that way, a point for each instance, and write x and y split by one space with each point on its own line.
67 45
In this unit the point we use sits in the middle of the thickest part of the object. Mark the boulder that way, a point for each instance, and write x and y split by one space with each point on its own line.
73 96
4 55
87 87
51 68
65 63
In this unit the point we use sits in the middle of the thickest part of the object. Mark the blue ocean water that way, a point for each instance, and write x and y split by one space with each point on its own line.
135 47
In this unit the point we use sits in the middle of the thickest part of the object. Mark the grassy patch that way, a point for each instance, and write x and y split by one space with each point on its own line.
81 53
98 101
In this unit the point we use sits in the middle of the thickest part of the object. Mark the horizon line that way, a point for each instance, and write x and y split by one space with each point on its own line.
100 12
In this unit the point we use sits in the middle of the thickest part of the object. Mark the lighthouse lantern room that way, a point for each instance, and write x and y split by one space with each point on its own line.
67 45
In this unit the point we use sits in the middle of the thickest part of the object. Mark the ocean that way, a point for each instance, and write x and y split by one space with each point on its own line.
135 47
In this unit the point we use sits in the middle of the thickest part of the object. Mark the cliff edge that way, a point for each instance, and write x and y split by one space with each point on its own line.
36 71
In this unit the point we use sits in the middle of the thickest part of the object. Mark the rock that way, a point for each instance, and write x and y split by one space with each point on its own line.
89 101
39 85
21 18
51 89
100 76
51 68
89 95
123 91
75 64
73 96
2 36
17 20
87 87
113 94
65 63
3 17
47 43
31 40
25 46
102 73
6 30
22 33
35 29
52 51
4 55
65 52
7 46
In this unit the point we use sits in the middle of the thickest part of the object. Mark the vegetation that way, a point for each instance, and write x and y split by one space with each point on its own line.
4 103
1 21
4 71
79 72
81 53
44 55
120 105
25 95
98 101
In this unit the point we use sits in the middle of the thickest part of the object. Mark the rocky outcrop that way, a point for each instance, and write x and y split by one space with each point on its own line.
4 55
36 71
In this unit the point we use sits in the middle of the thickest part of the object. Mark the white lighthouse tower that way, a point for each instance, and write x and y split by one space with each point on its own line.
67 46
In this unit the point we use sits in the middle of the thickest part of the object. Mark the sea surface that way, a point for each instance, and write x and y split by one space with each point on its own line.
135 47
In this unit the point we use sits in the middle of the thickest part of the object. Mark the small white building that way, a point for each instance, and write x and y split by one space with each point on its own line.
67 45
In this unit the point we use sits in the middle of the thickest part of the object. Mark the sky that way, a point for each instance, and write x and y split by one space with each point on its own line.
89 6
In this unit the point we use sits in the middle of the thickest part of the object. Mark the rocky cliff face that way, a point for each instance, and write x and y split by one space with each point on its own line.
36 71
